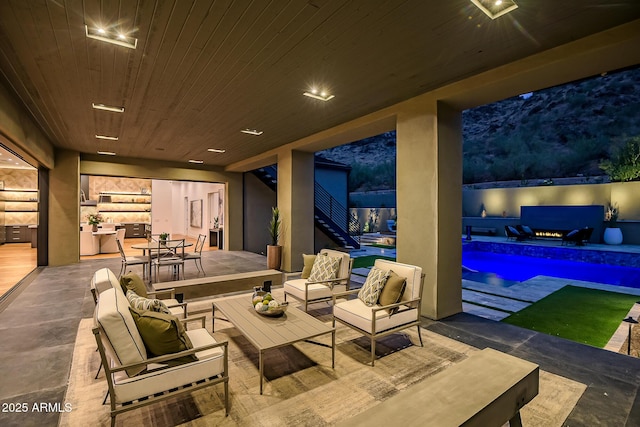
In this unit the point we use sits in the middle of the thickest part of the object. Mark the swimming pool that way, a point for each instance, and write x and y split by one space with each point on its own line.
520 268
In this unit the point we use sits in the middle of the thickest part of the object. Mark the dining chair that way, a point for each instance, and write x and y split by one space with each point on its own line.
133 260
169 253
196 255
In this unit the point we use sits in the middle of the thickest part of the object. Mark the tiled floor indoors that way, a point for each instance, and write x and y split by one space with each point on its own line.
38 329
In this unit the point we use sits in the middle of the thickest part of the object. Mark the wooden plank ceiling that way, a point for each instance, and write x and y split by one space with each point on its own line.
203 69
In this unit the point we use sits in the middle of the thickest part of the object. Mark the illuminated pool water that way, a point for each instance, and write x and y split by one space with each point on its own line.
512 267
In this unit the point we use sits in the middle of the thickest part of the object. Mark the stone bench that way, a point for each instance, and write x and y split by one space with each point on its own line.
486 389
215 285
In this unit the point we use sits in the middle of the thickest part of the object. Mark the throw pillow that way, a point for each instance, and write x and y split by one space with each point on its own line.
162 334
308 265
325 268
135 283
142 303
370 290
392 291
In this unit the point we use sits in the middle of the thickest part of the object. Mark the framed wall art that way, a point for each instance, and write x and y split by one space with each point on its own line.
196 213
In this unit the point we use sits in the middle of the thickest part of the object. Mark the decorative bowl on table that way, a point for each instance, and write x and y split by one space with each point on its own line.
265 305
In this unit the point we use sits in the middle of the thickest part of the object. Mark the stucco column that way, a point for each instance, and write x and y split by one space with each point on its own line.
296 201
64 209
429 201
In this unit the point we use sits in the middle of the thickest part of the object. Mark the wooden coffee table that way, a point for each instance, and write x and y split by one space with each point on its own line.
265 332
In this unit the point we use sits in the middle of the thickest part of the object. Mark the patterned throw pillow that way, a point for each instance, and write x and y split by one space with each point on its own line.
370 291
325 268
142 303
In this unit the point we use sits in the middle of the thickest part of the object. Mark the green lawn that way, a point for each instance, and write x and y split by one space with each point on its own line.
367 261
379 245
583 315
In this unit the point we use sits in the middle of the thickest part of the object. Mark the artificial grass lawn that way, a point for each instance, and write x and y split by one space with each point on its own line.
367 261
583 315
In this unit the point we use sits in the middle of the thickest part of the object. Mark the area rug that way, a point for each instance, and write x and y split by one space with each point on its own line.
301 388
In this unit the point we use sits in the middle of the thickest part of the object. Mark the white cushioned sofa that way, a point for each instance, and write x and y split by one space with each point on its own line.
375 321
134 377
307 291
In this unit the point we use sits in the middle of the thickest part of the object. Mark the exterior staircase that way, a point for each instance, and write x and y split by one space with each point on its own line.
330 215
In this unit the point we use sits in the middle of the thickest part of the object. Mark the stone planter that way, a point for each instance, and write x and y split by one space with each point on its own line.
612 236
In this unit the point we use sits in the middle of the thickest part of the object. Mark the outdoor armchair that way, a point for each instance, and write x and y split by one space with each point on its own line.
308 290
134 377
378 320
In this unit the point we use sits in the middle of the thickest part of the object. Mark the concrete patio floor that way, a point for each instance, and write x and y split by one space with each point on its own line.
39 326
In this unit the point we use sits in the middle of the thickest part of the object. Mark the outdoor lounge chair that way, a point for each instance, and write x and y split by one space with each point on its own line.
579 236
526 230
513 234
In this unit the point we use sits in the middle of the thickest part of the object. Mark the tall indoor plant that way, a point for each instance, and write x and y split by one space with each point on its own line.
274 251
612 233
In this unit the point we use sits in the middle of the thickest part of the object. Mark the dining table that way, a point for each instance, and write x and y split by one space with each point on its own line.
152 246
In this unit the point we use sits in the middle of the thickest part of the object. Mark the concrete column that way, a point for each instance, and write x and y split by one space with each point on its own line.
64 209
429 201
233 208
296 202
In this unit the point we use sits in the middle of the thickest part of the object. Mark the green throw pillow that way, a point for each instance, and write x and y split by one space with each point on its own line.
370 290
392 291
162 334
308 265
134 282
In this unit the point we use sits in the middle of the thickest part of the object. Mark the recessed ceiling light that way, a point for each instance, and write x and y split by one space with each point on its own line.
495 8
254 132
107 153
322 95
110 138
110 37
216 150
196 161
107 108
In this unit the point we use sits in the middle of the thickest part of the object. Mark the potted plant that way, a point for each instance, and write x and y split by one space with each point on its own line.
94 220
274 251
164 237
612 233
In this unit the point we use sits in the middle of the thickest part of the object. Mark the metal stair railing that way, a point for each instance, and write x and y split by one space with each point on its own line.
333 212
328 209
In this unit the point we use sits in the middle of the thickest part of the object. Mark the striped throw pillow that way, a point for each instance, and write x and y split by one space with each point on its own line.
142 303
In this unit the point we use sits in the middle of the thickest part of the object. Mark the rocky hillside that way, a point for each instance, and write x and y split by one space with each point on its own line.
560 132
